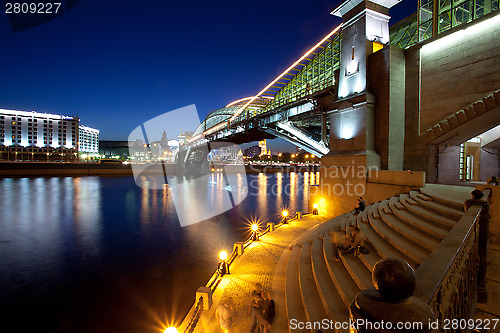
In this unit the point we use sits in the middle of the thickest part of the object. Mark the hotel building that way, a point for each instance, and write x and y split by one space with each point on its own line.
34 136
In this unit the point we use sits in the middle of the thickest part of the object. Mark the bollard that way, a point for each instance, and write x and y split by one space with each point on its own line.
298 215
270 226
207 297
239 248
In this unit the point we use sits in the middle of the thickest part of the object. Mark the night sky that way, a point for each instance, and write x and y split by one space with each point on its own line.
116 64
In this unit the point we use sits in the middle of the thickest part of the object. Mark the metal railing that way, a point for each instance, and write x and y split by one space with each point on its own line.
448 279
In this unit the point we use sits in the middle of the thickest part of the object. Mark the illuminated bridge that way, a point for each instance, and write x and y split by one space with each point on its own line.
396 97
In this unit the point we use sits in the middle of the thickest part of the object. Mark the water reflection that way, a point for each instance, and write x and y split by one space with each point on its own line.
62 238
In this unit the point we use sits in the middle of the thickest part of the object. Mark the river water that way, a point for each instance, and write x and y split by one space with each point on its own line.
101 254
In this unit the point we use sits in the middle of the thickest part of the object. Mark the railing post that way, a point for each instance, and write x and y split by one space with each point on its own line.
391 302
206 293
484 226
239 248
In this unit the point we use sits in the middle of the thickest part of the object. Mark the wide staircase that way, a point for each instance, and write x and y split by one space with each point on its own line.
321 284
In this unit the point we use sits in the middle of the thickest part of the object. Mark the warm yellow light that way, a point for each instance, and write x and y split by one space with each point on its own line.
312 156
307 156
255 227
285 72
223 255
293 155
315 205
285 213
171 330
279 154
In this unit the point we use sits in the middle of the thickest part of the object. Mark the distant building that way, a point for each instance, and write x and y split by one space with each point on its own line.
114 149
252 151
34 136
88 145
226 154
263 147
183 137
162 150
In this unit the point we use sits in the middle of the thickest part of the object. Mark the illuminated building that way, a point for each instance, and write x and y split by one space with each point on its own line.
35 136
263 147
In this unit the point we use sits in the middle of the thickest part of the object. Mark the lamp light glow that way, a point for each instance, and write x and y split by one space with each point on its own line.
284 213
171 330
315 205
255 227
222 255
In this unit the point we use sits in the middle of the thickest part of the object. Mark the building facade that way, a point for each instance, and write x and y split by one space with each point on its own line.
35 136
88 142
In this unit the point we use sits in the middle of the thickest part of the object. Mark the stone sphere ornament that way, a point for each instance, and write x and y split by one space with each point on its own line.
394 279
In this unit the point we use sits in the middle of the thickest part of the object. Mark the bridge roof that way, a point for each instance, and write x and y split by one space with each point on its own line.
221 115
216 117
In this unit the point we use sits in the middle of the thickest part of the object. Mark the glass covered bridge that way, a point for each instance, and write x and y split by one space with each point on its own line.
288 106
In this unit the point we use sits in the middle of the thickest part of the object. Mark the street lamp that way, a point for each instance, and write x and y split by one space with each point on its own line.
171 330
223 265
255 234
285 216
315 209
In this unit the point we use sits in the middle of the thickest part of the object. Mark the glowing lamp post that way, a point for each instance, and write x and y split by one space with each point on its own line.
255 234
223 265
171 330
315 209
285 216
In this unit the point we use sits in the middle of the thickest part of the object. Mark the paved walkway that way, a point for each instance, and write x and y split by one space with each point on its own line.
257 264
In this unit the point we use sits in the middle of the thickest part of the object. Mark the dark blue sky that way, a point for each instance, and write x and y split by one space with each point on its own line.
117 64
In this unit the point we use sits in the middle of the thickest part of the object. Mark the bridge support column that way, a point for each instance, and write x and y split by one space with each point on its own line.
353 116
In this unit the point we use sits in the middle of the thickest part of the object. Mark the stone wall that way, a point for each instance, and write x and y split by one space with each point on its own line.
490 163
443 76
458 69
386 80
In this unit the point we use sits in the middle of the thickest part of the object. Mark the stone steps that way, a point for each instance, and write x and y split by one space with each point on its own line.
429 216
313 307
357 270
413 251
332 302
320 286
410 233
446 201
343 282
437 208
293 298
382 248
428 228
370 259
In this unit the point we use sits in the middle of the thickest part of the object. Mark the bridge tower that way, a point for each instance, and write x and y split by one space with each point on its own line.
367 118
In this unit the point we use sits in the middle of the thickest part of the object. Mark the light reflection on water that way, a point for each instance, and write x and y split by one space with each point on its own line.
102 253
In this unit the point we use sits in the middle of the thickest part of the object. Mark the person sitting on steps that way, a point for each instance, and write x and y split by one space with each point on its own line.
360 206
352 242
